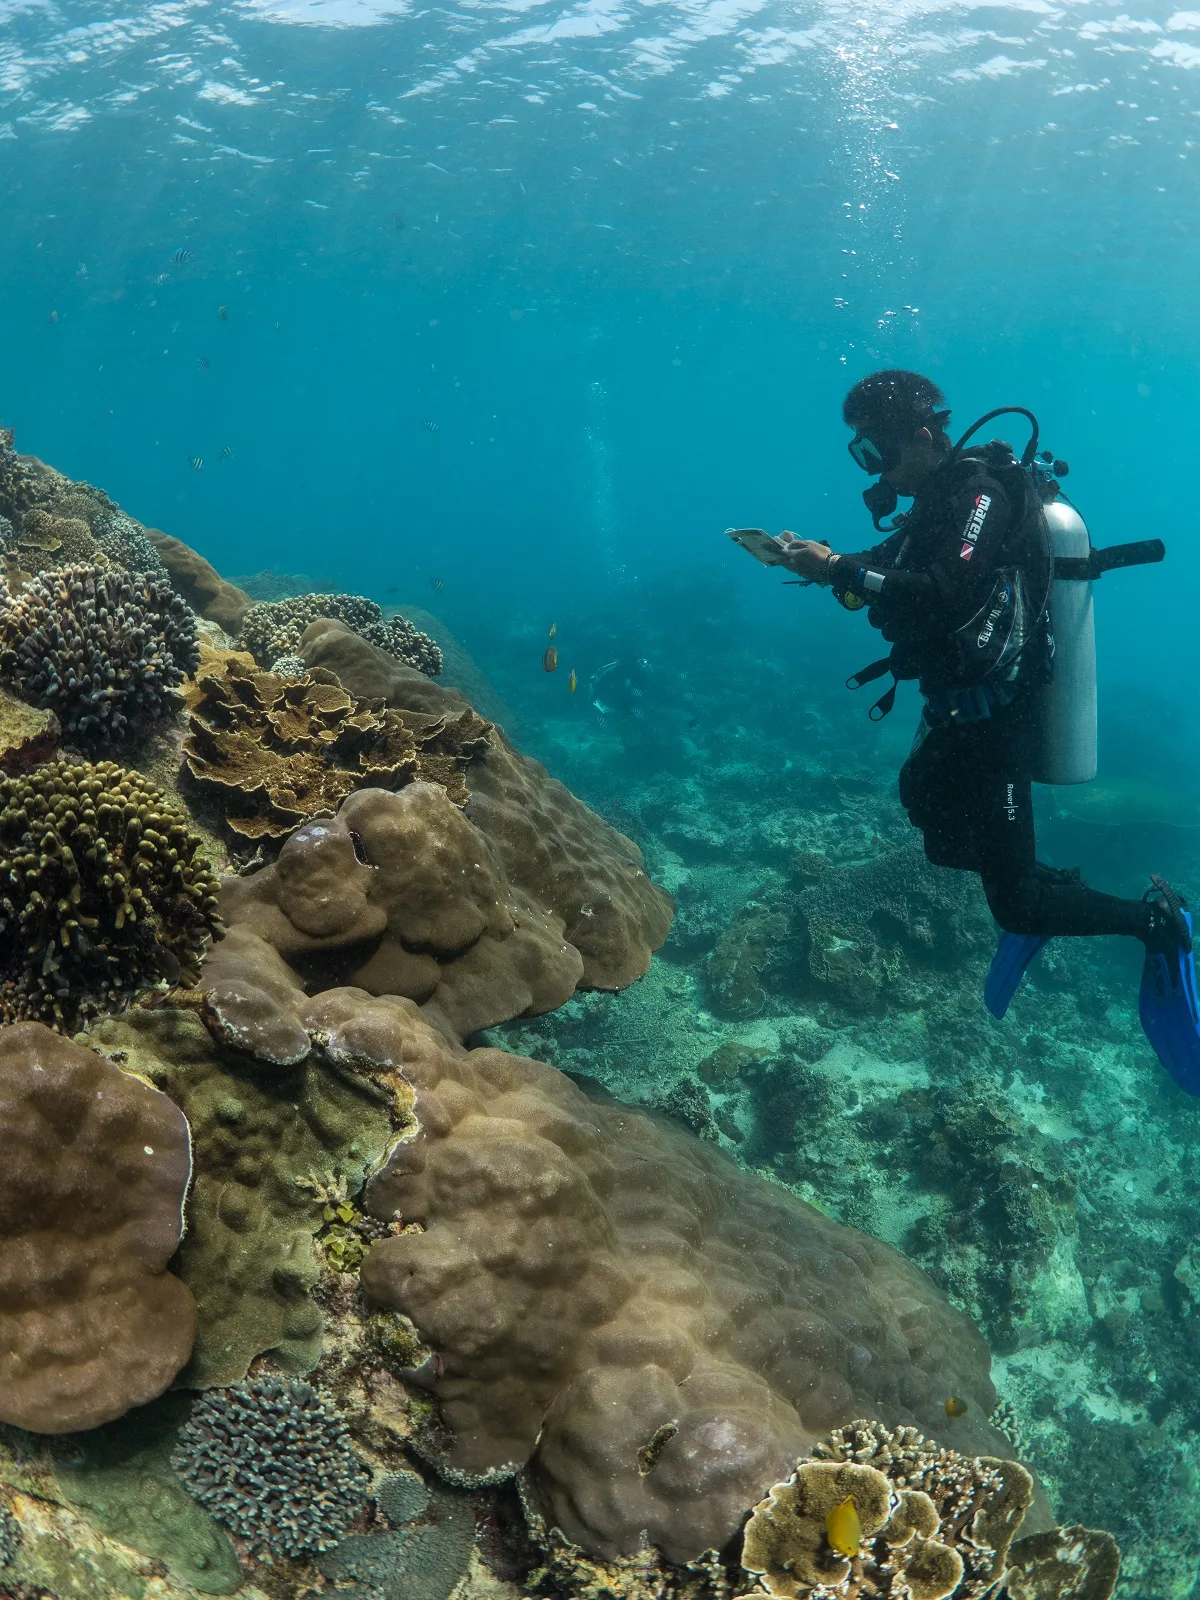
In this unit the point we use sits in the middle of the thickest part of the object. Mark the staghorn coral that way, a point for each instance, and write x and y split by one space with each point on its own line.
272 1460
94 1167
105 650
278 751
561 854
105 891
274 628
10 1536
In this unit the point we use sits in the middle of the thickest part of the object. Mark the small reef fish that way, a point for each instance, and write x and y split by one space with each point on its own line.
430 427
436 584
843 1529
196 463
223 313
53 317
956 1407
202 363
550 659
226 451
553 630
572 682
181 255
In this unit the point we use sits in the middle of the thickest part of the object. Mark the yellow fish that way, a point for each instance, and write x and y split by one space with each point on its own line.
572 681
843 1529
553 630
956 1407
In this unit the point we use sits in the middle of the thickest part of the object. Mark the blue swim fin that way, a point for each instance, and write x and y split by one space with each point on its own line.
1167 1005
1009 965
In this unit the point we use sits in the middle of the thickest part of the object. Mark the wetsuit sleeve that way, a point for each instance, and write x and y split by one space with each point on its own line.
957 580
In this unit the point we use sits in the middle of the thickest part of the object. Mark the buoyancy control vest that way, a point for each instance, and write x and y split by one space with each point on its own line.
1035 630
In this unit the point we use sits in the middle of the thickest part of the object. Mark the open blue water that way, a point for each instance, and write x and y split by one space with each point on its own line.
507 308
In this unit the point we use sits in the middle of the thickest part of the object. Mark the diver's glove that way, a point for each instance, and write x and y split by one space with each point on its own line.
1169 930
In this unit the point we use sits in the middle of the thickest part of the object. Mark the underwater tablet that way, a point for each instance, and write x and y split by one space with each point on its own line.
761 545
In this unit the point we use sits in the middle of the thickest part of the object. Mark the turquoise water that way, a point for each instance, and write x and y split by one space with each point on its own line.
506 311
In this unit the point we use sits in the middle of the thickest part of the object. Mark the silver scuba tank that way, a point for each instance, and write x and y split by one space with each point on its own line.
1065 708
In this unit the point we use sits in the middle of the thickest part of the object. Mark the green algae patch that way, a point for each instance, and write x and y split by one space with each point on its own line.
260 1139
123 1483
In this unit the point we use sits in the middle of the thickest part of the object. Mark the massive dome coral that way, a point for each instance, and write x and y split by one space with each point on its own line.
94 1166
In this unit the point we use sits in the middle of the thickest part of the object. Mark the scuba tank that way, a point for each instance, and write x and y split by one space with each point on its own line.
1065 707
1064 700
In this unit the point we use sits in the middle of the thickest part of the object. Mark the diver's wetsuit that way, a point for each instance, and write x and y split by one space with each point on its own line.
966 784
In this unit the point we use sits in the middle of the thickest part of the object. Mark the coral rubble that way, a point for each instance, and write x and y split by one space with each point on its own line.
273 1461
278 750
94 1166
106 891
274 628
105 650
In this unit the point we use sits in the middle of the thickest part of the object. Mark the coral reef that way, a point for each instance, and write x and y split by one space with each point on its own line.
28 736
560 853
399 894
105 650
51 521
929 1523
121 1476
106 891
588 1276
274 628
259 1135
200 584
278 750
272 1460
422 1563
94 1167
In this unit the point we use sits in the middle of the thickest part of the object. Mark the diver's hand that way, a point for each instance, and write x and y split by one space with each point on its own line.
807 558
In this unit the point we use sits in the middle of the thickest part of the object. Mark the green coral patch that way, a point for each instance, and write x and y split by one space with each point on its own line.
123 1482
258 1142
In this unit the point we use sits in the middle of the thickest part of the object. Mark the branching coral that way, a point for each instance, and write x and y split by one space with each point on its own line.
94 1166
105 650
274 628
105 891
279 750
272 1460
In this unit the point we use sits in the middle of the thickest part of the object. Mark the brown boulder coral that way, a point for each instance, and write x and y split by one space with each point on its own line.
278 750
94 1166
650 1331
201 585
560 853
398 894
105 891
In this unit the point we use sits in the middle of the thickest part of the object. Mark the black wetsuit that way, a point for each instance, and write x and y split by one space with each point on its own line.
966 784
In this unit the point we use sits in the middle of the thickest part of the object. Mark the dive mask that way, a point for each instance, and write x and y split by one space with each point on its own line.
871 457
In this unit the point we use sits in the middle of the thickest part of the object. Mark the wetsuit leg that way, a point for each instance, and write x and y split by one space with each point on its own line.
982 814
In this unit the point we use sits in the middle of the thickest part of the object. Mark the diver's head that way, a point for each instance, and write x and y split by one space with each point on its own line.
899 420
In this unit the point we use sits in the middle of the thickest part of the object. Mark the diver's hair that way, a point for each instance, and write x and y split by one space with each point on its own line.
895 402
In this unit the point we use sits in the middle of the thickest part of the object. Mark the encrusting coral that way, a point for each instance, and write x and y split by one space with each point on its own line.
105 650
272 1460
260 1136
278 750
104 891
94 1167
274 628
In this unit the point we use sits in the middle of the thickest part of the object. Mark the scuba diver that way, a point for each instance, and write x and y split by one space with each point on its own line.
983 591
